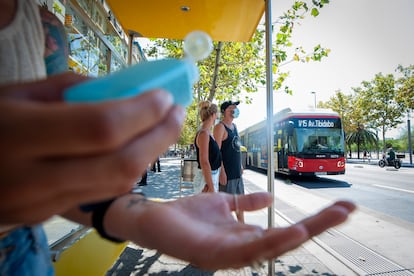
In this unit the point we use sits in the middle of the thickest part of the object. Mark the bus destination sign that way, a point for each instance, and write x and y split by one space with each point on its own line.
317 123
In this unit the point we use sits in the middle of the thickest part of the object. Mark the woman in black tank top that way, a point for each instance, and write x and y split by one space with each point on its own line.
207 150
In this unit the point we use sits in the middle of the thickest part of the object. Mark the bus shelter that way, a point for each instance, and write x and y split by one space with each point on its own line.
223 20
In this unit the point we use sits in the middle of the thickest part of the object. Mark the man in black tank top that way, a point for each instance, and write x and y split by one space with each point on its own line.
227 137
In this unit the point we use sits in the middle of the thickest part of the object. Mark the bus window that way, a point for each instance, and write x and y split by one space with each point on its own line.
290 128
311 143
324 140
292 144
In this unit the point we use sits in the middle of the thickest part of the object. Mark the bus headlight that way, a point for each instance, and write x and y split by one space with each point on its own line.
340 164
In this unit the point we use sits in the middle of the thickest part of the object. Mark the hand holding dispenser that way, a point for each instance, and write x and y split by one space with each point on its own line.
176 76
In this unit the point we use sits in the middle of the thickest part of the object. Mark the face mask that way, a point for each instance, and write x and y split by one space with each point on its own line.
236 113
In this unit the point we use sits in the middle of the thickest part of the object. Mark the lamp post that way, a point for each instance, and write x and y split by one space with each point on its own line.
314 99
410 147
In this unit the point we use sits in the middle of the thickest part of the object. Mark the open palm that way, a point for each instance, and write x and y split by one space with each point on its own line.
202 230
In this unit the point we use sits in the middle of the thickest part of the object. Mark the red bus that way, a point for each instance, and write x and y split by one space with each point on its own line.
308 142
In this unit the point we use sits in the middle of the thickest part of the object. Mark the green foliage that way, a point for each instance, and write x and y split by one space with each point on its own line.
57 9
378 99
282 47
402 140
239 68
342 104
346 106
362 136
378 104
235 68
315 12
405 92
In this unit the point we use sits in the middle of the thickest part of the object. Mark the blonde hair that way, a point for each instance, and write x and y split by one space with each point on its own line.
207 109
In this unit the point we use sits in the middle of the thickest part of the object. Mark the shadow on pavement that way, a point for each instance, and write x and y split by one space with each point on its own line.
322 183
135 262
165 185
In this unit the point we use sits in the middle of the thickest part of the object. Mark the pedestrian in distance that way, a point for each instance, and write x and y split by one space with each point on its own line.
156 162
143 180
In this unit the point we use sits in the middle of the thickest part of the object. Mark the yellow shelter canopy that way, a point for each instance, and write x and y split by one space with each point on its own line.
223 20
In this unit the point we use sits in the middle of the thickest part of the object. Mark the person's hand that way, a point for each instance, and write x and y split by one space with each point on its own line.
201 229
223 177
208 189
55 155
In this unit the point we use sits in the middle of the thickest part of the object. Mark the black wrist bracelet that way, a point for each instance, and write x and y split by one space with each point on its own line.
98 217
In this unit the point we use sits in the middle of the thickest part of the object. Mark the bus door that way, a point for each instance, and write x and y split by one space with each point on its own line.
282 149
285 150
286 140
278 150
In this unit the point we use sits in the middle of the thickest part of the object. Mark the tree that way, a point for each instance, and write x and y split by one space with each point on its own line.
342 104
348 107
405 92
363 137
378 99
403 139
230 69
236 67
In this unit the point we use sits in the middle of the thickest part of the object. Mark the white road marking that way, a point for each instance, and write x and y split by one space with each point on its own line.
392 188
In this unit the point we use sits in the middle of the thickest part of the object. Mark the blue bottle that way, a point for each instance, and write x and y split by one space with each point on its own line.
176 76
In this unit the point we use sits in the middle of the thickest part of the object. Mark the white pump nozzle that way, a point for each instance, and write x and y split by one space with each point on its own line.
197 45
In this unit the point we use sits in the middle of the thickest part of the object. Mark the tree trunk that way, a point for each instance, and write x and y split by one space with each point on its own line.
215 74
358 145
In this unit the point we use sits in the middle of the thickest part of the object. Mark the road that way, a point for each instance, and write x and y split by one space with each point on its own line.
384 190
379 236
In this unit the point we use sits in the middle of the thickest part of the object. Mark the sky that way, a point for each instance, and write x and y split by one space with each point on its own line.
366 37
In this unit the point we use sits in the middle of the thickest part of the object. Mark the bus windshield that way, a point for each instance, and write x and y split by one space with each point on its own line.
324 140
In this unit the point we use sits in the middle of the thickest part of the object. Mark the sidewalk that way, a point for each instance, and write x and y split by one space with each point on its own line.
309 259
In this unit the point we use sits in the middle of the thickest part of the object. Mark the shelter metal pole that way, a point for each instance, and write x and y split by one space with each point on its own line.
269 122
131 36
131 39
